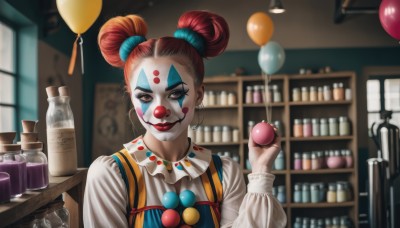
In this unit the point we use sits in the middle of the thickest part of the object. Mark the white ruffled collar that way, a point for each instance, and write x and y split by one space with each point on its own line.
194 164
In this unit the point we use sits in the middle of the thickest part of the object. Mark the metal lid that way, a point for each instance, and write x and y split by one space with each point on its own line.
306 155
337 153
306 120
297 186
275 87
304 89
314 186
332 120
306 186
332 187
315 120
281 188
323 120
226 128
256 87
314 155
343 119
217 128
313 88
298 121
249 88
207 128
297 155
296 89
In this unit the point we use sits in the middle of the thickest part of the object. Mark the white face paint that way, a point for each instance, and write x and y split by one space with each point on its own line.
164 97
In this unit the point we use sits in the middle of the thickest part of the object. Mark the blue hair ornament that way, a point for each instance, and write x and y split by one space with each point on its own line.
192 38
128 45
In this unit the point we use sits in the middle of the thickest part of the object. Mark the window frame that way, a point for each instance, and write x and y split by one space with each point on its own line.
14 74
381 80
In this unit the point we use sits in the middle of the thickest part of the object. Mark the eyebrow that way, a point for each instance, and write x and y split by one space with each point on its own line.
174 85
143 89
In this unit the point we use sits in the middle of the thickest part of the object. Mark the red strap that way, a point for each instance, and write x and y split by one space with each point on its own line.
135 211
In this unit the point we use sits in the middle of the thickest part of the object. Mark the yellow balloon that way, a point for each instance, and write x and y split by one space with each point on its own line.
260 28
190 216
79 14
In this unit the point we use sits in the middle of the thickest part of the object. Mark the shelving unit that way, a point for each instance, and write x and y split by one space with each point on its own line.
285 111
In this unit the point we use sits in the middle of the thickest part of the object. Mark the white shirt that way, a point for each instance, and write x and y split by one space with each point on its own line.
106 197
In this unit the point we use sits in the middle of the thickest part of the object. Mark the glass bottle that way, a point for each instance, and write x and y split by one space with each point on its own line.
335 222
341 194
40 220
338 91
226 134
13 163
307 127
278 125
231 98
250 125
322 192
320 93
344 126
212 98
298 128
321 223
347 94
235 135
5 187
58 211
349 159
296 95
335 160
305 96
315 127
257 97
306 161
36 166
344 222
315 163
324 127
313 223
314 193
306 222
331 194
207 134
279 162
333 127
53 219
328 222
327 93
277 94
223 98
217 134
205 99
313 93
249 95
298 162
281 196
199 134
263 94
62 155
305 194
297 194
297 223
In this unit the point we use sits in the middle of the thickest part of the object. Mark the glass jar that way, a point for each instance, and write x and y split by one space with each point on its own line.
338 91
297 223
223 98
313 223
344 222
347 94
13 163
341 194
348 158
305 96
324 127
335 160
226 134
333 127
320 94
314 193
315 163
231 98
212 98
57 207
40 220
5 187
296 95
217 134
207 134
281 196
235 135
61 144
306 222
279 162
250 125
205 99
320 223
263 93
344 126
257 97
321 159
305 194
313 93
335 222
297 161
306 164
52 218
270 94
297 193
249 95
199 134
276 94
315 127
298 128
322 192
328 223
36 166
307 127
331 194
278 125
327 93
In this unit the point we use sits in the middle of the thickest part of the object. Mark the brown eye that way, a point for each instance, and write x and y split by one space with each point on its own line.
177 94
144 98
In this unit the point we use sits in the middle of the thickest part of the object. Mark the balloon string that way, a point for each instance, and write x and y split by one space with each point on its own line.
73 56
81 48
267 103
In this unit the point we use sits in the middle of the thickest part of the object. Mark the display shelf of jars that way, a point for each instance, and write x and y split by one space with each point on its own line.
220 106
321 205
72 187
305 103
259 105
275 172
321 138
322 171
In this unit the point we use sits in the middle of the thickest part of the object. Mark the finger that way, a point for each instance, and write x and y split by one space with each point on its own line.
251 142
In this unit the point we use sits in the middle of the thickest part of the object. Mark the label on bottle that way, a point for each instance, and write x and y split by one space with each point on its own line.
62 153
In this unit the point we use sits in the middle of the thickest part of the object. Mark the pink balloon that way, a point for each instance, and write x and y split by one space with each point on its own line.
389 15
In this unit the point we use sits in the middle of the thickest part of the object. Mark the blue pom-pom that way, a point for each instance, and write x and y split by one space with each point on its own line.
170 200
187 198
192 38
128 45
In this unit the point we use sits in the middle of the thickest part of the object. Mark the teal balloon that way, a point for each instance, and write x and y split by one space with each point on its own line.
271 57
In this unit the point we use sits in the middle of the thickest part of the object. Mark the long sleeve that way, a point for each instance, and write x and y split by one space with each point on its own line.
105 195
257 208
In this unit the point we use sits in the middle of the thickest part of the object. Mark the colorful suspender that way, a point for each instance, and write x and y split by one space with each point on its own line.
212 183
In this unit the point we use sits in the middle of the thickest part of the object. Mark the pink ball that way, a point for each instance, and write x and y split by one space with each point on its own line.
170 218
263 134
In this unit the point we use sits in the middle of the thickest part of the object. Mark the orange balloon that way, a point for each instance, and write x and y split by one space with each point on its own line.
260 28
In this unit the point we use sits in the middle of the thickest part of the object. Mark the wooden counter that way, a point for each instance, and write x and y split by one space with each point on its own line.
72 188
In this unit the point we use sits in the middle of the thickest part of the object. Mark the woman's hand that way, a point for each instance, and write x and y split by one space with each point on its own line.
262 157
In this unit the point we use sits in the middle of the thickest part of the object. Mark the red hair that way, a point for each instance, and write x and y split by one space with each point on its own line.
211 27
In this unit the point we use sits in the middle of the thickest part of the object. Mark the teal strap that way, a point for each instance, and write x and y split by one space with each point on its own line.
218 165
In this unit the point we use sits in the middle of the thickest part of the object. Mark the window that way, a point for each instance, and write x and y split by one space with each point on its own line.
8 79
383 93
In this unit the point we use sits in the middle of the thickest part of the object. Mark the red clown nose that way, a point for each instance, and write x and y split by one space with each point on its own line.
160 112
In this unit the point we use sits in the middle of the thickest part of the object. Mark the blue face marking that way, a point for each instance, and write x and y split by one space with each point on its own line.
143 83
175 79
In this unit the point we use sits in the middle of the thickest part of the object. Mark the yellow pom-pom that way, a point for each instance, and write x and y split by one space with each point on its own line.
191 216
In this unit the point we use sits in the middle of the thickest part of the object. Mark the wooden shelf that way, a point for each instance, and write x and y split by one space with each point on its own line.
262 105
219 106
245 141
275 172
333 75
32 200
322 171
317 103
321 138
219 144
321 205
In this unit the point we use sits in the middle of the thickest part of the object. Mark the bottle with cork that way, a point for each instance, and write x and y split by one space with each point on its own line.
62 154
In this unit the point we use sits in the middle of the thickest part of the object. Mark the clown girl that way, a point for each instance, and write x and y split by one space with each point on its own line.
162 178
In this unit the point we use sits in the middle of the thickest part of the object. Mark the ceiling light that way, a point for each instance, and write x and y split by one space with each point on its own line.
275 6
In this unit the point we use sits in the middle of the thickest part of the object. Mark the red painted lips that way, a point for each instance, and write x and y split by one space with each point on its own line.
164 126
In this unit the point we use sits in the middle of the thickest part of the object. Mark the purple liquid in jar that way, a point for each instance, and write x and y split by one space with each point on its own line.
37 175
17 172
5 187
